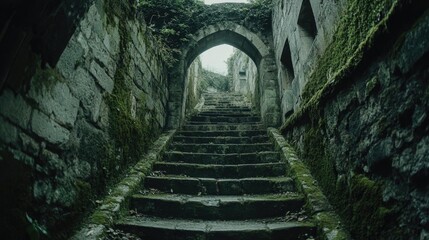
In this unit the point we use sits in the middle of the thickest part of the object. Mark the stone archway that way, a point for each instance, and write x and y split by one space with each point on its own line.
245 40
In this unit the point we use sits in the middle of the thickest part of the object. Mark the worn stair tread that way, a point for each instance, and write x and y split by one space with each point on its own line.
225 127
227 114
229 124
218 186
227 171
222 144
217 207
221 139
223 123
217 200
221 148
247 119
220 133
163 229
229 158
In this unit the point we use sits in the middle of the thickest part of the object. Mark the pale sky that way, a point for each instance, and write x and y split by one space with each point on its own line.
215 58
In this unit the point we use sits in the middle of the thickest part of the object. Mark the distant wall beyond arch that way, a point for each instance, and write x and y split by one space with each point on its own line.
240 37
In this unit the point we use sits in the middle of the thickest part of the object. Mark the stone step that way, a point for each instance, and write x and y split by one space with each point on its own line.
227 114
225 127
221 140
149 228
226 110
215 119
221 171
213 186
222 123
232 103
222 133
216 207
233 158
221 148
223 96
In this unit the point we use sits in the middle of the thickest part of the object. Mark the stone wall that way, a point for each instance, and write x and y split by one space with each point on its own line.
302 30
362 126
34 31
244 74
80 124
193 83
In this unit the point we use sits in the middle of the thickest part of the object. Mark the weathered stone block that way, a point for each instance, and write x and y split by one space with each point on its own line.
15 108
58 101
28 144
415 46
48 129
105 81
84 88
99 52
8 132
72 56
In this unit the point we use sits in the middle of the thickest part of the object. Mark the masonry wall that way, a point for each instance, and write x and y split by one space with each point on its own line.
299 50
193 82
360 118
244 74
79 125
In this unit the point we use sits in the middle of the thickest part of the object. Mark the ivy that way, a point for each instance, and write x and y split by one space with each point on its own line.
260 14
173 22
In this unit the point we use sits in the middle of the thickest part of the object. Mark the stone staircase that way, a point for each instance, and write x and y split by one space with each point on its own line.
220 179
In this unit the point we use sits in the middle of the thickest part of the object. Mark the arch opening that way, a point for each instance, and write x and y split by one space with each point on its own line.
265 91
224 37
220 69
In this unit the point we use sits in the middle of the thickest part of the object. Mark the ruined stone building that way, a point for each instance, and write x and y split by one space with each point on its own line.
105 132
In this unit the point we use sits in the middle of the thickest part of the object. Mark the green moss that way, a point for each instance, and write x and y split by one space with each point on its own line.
358 22
120 9
359 200
318 159
366 214
332 226
131 134
84 195
101 217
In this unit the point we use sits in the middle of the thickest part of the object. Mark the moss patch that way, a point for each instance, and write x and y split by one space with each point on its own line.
358 22
358 201
131 134
318 159
365 212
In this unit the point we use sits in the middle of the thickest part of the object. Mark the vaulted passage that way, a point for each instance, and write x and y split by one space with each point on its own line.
320 129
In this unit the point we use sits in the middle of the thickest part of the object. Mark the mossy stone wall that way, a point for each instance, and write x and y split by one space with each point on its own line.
82 123
362 125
